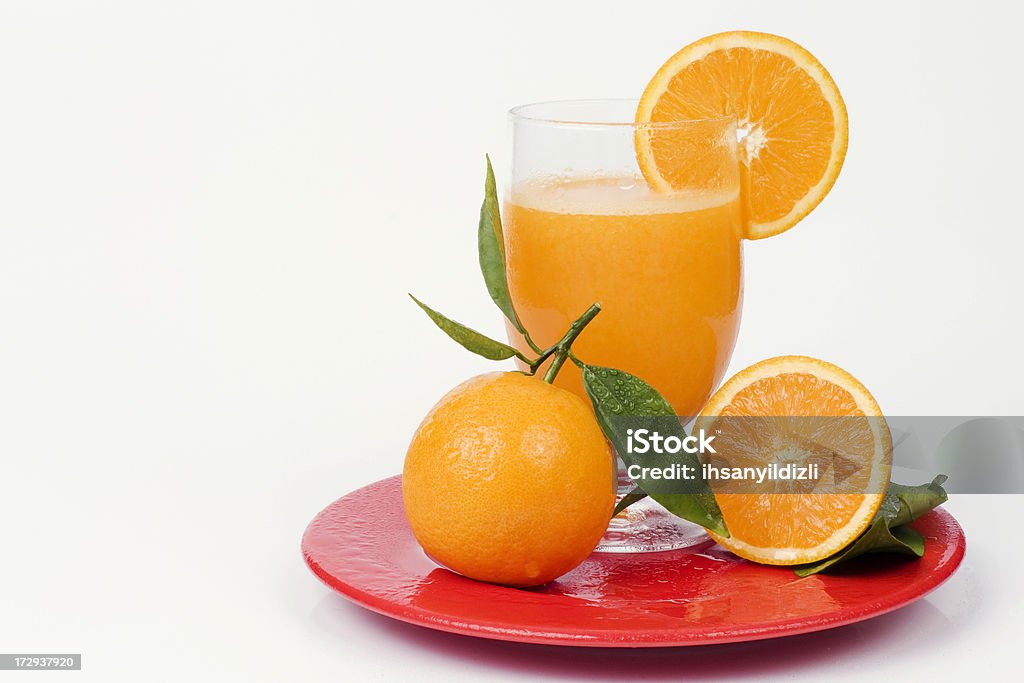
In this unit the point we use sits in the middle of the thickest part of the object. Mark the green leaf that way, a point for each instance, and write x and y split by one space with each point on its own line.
471 339
633 496
491 245
888 533
618 394
904 504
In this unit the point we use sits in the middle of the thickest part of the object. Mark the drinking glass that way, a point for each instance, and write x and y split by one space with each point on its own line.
582 224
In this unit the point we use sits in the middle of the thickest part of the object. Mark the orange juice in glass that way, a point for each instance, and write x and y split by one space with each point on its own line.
581 225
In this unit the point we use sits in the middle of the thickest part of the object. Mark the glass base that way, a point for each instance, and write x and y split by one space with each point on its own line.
646 527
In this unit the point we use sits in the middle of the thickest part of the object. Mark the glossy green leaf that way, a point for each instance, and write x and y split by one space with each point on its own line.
618 394
472 340
491 246
888 533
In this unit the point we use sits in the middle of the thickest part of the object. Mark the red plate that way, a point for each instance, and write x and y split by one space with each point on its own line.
361 546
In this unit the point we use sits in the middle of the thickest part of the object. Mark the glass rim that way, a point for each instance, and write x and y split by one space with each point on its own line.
521 114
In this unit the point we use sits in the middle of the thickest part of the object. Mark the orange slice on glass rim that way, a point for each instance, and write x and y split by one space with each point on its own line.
790 115
800 410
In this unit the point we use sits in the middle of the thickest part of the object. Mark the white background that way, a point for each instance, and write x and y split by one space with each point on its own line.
210 214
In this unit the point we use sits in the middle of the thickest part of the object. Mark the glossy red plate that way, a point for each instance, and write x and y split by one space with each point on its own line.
361 546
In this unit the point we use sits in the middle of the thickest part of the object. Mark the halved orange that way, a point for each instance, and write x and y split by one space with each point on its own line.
800 410
789 113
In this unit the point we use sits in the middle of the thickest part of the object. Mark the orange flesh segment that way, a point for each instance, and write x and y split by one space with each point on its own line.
818 514
788 110
783 410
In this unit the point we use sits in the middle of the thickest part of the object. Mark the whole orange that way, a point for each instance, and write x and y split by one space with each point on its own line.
509 479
